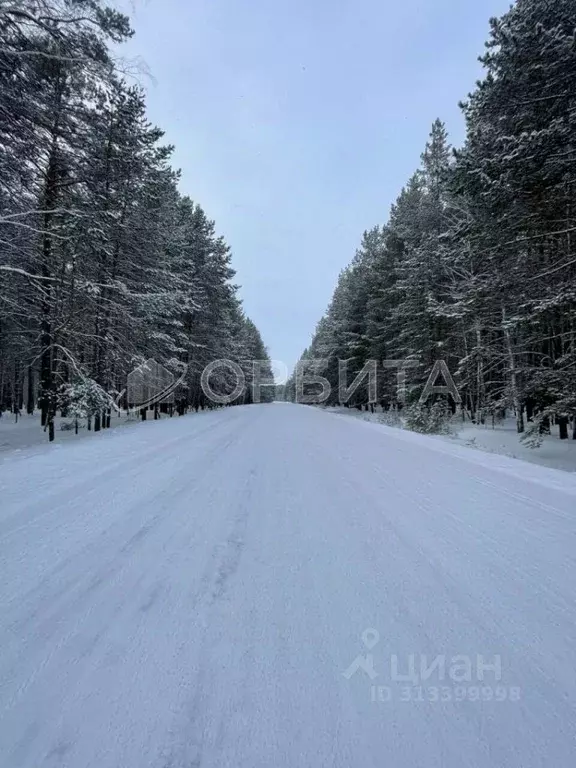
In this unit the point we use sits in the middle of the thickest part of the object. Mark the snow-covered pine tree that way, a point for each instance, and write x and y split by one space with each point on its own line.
103 263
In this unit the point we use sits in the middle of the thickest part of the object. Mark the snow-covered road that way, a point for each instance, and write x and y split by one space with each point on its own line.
245 588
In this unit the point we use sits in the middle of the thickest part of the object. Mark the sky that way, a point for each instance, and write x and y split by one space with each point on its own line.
296 124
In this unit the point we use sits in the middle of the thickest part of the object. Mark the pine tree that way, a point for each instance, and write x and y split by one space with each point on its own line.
476 264
103 264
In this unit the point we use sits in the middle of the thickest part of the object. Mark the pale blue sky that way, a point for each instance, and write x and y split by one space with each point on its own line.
296 125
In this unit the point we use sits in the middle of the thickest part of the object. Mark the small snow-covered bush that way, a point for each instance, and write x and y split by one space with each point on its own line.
83 398
416 418
533 437
428 420
390 418
69 426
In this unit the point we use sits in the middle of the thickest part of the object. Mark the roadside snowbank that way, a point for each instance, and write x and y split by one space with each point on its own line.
502 440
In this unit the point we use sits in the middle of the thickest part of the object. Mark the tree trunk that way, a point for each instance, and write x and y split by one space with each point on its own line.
47 399
18 389
513 371
479 414
30 393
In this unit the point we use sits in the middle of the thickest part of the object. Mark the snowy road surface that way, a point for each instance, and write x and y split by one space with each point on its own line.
190 593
